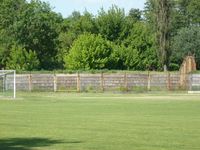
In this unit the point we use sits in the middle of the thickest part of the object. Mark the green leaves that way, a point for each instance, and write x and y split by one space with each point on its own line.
32 36
194 12
89 51
37 30
20 59
139 52
110 24
187 41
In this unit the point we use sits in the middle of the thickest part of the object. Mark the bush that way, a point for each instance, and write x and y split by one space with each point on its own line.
89 51
21 59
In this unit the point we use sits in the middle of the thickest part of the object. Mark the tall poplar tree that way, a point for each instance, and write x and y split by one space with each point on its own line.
163 31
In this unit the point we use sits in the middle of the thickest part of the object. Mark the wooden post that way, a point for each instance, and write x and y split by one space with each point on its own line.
78 82
55 83
125 81
30 82
102 81
149 81
168 81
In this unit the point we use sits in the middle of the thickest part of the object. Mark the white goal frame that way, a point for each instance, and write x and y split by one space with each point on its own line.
4 73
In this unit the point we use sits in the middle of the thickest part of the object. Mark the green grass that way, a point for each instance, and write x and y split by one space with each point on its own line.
63 121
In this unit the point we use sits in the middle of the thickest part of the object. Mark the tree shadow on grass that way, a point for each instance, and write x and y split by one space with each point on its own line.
29 143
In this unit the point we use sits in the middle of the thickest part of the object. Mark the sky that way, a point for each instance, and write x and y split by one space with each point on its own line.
66 7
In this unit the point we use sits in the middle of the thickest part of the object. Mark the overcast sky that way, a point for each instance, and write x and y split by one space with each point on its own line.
66 7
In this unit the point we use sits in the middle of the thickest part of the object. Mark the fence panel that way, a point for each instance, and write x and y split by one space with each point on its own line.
22 82
137 81
66 82
113 81
90 82
103 82
42 82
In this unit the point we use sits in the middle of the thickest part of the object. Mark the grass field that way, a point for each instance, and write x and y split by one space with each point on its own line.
62 121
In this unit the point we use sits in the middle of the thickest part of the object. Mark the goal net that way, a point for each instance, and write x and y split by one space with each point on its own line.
7 84
194 83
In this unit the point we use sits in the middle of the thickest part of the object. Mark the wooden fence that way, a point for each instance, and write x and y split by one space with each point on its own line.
100 82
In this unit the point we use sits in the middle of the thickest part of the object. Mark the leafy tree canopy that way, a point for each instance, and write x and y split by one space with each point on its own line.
89 51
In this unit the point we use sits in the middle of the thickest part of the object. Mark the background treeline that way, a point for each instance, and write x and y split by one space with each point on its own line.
34 37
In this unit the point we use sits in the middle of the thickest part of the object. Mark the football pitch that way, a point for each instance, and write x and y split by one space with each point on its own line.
71 121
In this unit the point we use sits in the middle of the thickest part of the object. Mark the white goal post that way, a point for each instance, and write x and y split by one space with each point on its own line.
8 83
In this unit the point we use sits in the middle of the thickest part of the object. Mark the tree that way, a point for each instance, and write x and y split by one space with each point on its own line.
5 46
135 14
185 14
110 24
71 28
163 31
20 59
140 53
194 12
181 13
38 30
9 12
9 15
187 41
150 14
89 51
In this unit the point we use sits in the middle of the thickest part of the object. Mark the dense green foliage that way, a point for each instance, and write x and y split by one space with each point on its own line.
64 121
163 30
110 24
187 41
20 59
139 40
38 30
89 52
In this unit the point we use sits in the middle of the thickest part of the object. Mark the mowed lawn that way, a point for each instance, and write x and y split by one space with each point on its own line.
63 121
